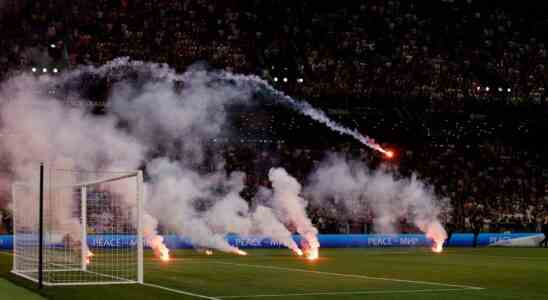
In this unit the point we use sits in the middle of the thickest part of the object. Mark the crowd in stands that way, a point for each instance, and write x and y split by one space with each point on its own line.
497 189
445 53
445 50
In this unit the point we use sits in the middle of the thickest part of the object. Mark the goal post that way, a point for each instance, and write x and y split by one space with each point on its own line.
92 228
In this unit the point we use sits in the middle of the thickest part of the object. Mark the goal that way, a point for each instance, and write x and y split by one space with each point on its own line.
76 227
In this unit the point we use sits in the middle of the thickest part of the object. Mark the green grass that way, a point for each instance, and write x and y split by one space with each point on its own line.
503 273
9 290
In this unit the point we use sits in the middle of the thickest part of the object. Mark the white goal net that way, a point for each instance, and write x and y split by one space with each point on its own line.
92 228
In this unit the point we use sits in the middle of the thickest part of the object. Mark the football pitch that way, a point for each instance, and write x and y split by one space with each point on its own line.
389 273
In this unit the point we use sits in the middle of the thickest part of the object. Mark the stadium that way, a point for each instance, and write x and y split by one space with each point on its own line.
195 149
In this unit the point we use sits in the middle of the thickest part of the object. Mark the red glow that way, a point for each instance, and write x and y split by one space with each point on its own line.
313 255
89 255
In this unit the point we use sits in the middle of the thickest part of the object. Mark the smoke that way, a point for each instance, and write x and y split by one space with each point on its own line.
304 108
267 224
179 121
55 133
291 207
38 128
390 198
181 198
164 121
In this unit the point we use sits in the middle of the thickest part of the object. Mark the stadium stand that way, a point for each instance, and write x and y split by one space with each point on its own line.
439 83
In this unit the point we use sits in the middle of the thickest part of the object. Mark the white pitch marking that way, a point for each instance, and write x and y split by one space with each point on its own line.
351 275
344 293
181 292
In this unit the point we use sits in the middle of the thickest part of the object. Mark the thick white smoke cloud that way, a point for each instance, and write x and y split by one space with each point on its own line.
291 207
35 128
205 208
155 114
164 120
176 193
180 121
390 198
267 224
52 132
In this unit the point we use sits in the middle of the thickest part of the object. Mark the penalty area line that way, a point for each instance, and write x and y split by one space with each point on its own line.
346 293
180 291
353 275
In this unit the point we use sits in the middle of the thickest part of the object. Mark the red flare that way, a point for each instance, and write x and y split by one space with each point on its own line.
159 248
313 254
89 255
164 254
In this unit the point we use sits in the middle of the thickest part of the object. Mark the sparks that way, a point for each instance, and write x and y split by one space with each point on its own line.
299 252
389 153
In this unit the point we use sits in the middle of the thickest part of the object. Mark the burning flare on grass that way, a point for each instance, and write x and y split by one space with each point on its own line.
89 255
164 253
311 250
159 248
153 239
313 254
208 252
299 252
311 247
436 233
241 252
437 246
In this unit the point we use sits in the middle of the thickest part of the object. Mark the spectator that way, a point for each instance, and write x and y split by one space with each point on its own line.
545 232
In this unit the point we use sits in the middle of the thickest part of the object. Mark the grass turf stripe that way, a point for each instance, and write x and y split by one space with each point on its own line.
351 275
346 293
12 291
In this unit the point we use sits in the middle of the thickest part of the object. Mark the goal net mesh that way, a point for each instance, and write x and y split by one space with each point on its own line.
91 226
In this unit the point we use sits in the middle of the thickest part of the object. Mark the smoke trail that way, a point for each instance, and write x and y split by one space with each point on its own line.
305 108
390 198
240 83
292 208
